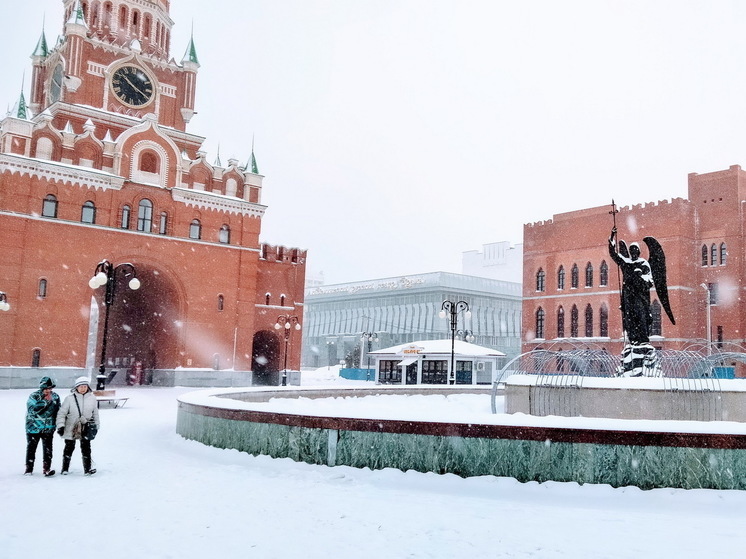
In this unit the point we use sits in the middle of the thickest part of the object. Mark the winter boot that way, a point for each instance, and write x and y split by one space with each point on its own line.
65 465
49 473
29 470
90 472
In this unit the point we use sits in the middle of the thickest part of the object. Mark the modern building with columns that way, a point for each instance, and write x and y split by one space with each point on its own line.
405 309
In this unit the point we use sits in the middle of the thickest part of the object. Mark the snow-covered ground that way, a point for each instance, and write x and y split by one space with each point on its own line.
157 495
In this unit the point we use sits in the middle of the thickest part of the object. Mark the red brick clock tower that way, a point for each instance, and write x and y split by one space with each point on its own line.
98 164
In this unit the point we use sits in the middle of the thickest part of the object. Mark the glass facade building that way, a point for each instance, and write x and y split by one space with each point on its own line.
405 309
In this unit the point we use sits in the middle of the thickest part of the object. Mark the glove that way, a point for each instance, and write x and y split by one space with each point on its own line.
60 431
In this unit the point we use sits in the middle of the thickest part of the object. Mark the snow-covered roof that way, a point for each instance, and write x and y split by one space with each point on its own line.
443 347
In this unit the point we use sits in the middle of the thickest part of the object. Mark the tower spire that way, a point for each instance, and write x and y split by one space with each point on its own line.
191 52
41 50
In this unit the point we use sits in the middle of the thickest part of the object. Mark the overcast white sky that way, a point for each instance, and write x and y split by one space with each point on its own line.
396 134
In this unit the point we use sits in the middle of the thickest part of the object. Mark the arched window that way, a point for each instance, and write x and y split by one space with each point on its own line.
574 276
589 275
266 298
163 225
561 323
588 321
216 361
225 234
713 255
125 222
704 255
574 322
540 323
603 319
656 329
723 254
49 207
282 300
42 293
221 302
603 274
561 278
88 213
145 216
36 358
540 280
195 229
149 162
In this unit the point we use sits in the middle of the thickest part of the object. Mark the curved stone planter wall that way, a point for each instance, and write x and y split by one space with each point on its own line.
617 458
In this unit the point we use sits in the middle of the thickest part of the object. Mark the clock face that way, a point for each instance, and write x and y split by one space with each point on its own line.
55 86
132 86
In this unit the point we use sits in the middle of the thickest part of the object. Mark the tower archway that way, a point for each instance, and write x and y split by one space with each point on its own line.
144 324
265 358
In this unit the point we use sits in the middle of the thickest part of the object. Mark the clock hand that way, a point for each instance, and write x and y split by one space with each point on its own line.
140 91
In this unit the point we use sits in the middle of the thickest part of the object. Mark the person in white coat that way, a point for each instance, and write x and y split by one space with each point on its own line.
81 404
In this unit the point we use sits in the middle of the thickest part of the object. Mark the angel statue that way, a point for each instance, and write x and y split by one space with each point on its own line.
638 277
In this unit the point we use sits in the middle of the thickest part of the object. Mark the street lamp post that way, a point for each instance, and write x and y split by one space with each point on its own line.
106 274
706 287
450 308
287 322
370 337
4 305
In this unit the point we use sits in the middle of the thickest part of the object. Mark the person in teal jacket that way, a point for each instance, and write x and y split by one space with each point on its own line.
41 419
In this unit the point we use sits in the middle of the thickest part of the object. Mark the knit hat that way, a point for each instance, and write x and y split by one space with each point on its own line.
46 382
82 380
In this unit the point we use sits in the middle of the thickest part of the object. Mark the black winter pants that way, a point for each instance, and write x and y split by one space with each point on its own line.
32 442
67 454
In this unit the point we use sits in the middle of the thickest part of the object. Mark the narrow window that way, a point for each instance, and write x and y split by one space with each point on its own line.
713 289
574 322
49 207
540 323
36 358
561 278
282 300
720 337
603 275
704 255
225 234
163 226
540 280
574 276
266 298
42 293
195 229
723 254
589 321
713 255
221 302
589 275
145 215
603 318
561 323
216 362
125 222
656 327
88 213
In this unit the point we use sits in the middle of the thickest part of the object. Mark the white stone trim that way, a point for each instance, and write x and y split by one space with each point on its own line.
218 202
74 175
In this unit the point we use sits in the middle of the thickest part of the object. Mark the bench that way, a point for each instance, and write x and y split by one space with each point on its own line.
109 400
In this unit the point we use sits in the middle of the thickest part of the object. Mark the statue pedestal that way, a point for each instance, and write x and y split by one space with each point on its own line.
639 360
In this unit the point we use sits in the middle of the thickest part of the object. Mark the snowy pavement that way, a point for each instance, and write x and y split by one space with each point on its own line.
157 495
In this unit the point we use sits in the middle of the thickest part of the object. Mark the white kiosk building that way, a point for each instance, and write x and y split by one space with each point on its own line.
431 362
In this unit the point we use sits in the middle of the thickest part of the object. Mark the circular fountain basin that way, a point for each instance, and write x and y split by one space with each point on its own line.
648 454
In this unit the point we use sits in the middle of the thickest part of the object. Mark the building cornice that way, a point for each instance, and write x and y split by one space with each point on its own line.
218 202
55 171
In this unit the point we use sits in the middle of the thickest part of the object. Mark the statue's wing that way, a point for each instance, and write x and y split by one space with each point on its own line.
657 262
623 249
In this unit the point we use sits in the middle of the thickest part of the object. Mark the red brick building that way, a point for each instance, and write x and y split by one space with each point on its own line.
99 165
571 286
